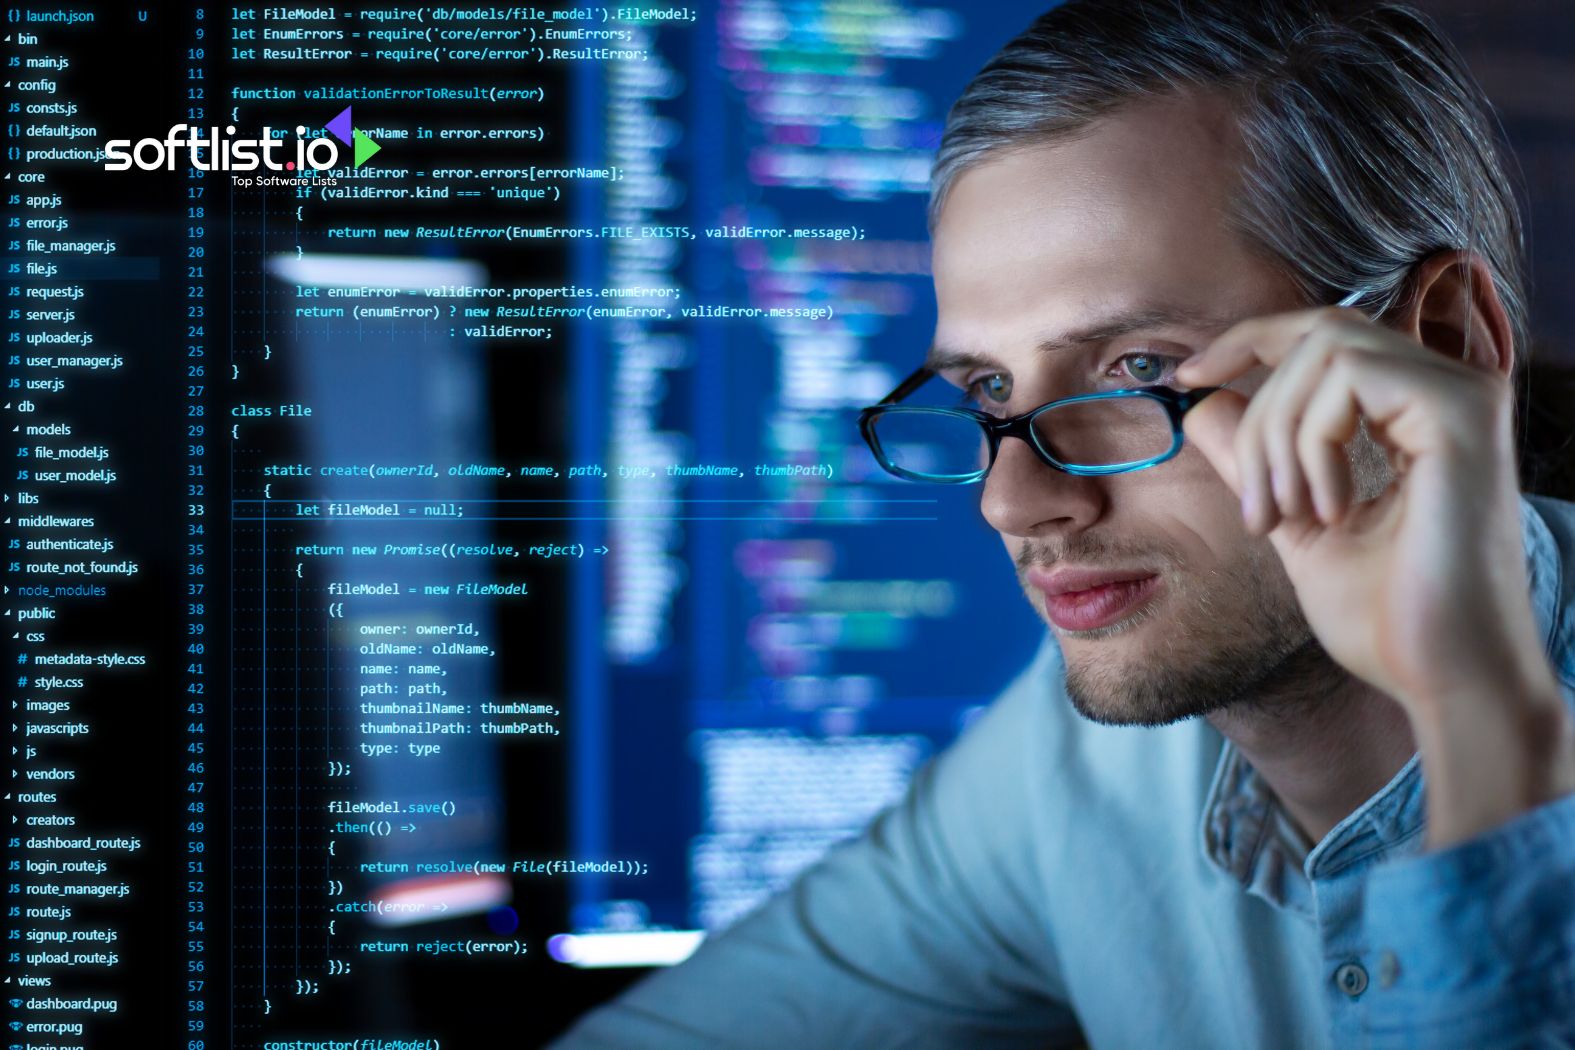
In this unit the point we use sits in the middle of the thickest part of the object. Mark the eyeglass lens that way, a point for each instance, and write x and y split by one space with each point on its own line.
1104 432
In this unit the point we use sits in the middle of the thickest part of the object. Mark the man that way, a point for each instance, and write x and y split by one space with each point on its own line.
1321 792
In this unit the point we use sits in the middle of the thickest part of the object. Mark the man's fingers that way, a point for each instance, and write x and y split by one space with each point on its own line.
1411 407
1283 473
1329 422
1258 507
1274 416
1243 346
1271 340
1283 452
1211 426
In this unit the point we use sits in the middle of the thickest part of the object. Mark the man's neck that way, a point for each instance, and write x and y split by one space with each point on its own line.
1324 741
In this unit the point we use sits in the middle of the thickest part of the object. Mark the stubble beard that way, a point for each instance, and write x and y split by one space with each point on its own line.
1232 636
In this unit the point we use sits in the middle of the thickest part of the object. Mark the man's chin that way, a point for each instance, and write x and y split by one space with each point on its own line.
1114 693
1111 683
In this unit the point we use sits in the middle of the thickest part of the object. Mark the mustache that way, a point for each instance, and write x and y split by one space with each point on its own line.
1095 550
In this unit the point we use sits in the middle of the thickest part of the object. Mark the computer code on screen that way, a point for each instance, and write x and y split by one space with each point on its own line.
446 575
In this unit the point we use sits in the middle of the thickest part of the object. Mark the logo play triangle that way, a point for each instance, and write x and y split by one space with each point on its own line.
343 129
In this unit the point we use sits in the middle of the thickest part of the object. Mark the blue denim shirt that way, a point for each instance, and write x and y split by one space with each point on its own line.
1048 880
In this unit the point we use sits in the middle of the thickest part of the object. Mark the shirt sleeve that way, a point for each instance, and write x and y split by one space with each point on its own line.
1476 943
925 931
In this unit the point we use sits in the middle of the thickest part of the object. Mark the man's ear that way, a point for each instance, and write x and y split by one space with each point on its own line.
1454 308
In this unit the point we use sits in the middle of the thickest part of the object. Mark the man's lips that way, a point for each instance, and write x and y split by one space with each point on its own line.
1087 599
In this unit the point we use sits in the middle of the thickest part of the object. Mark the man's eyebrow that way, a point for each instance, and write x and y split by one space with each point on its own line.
1114 326
1137 319
940 359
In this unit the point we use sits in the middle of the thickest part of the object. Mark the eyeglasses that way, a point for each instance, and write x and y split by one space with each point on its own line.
1113 432
1091 435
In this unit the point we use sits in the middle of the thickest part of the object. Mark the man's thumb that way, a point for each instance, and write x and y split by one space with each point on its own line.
1211 426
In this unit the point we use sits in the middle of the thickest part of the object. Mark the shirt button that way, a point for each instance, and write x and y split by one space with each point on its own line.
1388 969
1351 979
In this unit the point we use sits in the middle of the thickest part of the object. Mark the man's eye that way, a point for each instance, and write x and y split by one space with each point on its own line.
1145 367
995 387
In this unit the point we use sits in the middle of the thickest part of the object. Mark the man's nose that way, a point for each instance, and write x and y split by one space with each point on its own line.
1025 496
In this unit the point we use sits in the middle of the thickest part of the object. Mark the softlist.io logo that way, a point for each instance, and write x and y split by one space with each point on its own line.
210 150
361 146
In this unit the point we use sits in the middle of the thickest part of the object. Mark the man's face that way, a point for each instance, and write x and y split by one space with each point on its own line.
1090 264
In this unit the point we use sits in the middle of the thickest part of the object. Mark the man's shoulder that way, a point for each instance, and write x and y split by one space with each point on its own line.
1003 731
1031 710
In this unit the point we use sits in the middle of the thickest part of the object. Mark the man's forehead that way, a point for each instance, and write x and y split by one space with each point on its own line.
1187 136
1127 218
1163 166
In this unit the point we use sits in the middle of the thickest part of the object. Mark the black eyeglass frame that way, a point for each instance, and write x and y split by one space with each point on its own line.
1177 403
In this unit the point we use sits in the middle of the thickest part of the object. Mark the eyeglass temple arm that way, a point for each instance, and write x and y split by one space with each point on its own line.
908 386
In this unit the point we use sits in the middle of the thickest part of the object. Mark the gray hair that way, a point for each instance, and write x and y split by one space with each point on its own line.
1368 145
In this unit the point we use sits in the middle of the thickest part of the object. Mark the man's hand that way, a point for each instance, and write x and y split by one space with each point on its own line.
1421 590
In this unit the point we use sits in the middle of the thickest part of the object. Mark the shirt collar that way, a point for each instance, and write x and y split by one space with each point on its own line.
1245 833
